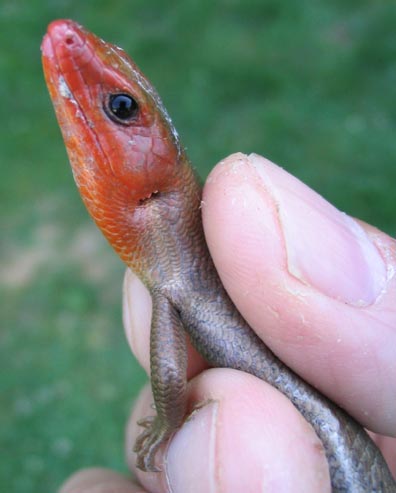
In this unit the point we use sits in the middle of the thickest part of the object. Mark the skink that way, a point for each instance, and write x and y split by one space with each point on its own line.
138 185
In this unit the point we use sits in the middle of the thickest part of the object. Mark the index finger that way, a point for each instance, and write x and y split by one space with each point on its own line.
317 286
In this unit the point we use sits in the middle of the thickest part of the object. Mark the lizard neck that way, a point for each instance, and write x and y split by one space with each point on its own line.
154 235
171 234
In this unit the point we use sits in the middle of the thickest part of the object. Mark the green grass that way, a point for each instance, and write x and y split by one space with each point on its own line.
311 85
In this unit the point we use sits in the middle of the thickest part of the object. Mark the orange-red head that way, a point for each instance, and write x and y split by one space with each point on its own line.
105 108
120 140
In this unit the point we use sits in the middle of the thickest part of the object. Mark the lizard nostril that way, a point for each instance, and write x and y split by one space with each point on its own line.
69 39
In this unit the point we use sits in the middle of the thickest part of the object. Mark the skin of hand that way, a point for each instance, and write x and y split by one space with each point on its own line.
319 288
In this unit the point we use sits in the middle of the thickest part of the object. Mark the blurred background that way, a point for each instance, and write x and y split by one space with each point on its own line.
310 85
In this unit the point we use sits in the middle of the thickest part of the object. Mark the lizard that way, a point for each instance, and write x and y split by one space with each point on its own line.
138 185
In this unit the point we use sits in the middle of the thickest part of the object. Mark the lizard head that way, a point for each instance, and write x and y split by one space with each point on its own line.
112 120
121 143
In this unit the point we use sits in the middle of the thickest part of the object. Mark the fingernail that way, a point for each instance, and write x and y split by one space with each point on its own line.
325 248
190 456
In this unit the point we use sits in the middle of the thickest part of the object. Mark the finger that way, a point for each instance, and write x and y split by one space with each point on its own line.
137 309
317 287
243 436
98 480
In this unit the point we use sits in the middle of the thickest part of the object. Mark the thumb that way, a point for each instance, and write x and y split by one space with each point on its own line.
317 286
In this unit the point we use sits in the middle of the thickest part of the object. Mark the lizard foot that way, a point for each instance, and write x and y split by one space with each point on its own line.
148 442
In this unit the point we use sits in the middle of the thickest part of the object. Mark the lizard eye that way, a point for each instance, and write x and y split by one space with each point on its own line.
121 108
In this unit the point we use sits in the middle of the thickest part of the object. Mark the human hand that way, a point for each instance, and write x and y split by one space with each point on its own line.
319 289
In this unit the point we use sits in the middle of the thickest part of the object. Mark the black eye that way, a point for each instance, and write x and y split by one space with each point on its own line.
122 107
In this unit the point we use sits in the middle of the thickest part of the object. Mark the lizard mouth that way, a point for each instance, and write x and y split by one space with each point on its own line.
69 61
70 66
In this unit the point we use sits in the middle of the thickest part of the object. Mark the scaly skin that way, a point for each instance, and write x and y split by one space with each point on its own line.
139 187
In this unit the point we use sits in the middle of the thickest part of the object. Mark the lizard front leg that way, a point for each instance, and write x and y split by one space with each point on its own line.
168 366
